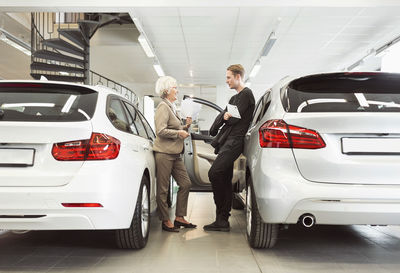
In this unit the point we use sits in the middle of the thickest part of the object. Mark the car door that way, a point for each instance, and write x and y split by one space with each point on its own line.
199 154
144 143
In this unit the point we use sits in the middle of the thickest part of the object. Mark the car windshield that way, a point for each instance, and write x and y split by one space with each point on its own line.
344 92
46 102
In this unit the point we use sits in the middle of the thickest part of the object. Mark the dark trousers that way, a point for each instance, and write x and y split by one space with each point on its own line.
220 175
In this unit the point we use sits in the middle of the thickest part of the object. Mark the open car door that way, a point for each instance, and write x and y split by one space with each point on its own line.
199 154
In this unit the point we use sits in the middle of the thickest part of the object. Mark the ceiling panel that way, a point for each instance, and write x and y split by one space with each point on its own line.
211 11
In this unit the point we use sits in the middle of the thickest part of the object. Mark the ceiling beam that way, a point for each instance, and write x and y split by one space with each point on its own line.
125 5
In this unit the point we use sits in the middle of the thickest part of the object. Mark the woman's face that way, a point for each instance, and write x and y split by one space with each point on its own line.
173 94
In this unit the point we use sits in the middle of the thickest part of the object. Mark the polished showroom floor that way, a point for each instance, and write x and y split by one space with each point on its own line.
322 249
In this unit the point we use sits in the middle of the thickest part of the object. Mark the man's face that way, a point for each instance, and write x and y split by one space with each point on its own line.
232 80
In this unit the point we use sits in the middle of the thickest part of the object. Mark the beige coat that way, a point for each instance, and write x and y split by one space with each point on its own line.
167 126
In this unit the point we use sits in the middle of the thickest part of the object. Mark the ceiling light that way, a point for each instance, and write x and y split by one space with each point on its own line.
159 70
255 69
268 44
191 73
146 46
15 42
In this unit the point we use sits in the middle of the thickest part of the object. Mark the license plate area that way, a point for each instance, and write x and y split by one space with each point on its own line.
371 146
13 157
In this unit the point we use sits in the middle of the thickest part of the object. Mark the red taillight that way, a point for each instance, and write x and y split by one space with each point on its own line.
277 134
82 205
98 147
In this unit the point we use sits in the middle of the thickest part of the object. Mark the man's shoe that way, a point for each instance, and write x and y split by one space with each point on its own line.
218 225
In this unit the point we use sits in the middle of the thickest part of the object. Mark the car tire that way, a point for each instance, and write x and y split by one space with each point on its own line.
136 236
259 234
237 202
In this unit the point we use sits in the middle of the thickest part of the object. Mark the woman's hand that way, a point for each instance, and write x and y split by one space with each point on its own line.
183 134
227 116
188 121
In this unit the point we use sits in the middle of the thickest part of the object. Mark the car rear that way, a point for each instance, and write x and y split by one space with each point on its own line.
333 153
46 139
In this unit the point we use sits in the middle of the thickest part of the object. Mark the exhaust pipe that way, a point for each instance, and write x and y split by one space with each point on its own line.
307 220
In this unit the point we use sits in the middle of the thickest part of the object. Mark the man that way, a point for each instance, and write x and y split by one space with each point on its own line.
221 171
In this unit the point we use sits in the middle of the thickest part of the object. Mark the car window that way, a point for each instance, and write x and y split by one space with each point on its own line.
150 132
202 122
266 104
344 92
257 111
37 102
117 116
136 124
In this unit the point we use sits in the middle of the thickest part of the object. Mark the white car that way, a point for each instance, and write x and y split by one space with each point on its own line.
321 149
74 157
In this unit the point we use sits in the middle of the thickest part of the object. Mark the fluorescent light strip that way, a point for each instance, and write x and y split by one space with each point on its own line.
255 70
159 70
145 45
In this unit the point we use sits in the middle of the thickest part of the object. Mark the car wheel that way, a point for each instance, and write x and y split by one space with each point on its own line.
237 202
135 237
259 234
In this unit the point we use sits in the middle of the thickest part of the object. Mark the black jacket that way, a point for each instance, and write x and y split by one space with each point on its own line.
221 135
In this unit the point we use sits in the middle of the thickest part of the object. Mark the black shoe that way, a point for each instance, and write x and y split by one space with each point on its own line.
169 229
218 225
178 224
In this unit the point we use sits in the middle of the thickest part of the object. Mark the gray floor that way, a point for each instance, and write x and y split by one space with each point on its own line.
324 248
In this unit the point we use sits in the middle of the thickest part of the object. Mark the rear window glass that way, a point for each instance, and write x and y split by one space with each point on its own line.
344 92
46 102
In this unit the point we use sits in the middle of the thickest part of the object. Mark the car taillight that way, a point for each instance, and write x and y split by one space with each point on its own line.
98 147
82 205
278 134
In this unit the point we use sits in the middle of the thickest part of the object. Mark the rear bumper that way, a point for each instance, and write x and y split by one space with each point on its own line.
49 222
117 195
283 195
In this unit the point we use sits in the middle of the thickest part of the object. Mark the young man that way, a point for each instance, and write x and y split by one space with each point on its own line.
221 171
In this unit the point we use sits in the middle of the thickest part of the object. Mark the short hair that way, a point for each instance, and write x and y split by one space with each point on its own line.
236 69
164 85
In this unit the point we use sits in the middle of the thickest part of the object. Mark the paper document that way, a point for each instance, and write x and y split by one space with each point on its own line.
190 109
233 110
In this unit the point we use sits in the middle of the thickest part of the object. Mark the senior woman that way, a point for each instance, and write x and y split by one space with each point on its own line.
168 148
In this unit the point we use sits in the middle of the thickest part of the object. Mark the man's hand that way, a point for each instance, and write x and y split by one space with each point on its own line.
183 134
227 116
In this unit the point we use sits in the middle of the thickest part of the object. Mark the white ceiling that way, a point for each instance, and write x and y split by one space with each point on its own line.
311 35
309 39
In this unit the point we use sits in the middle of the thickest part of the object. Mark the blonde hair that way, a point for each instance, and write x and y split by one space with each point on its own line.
164 85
